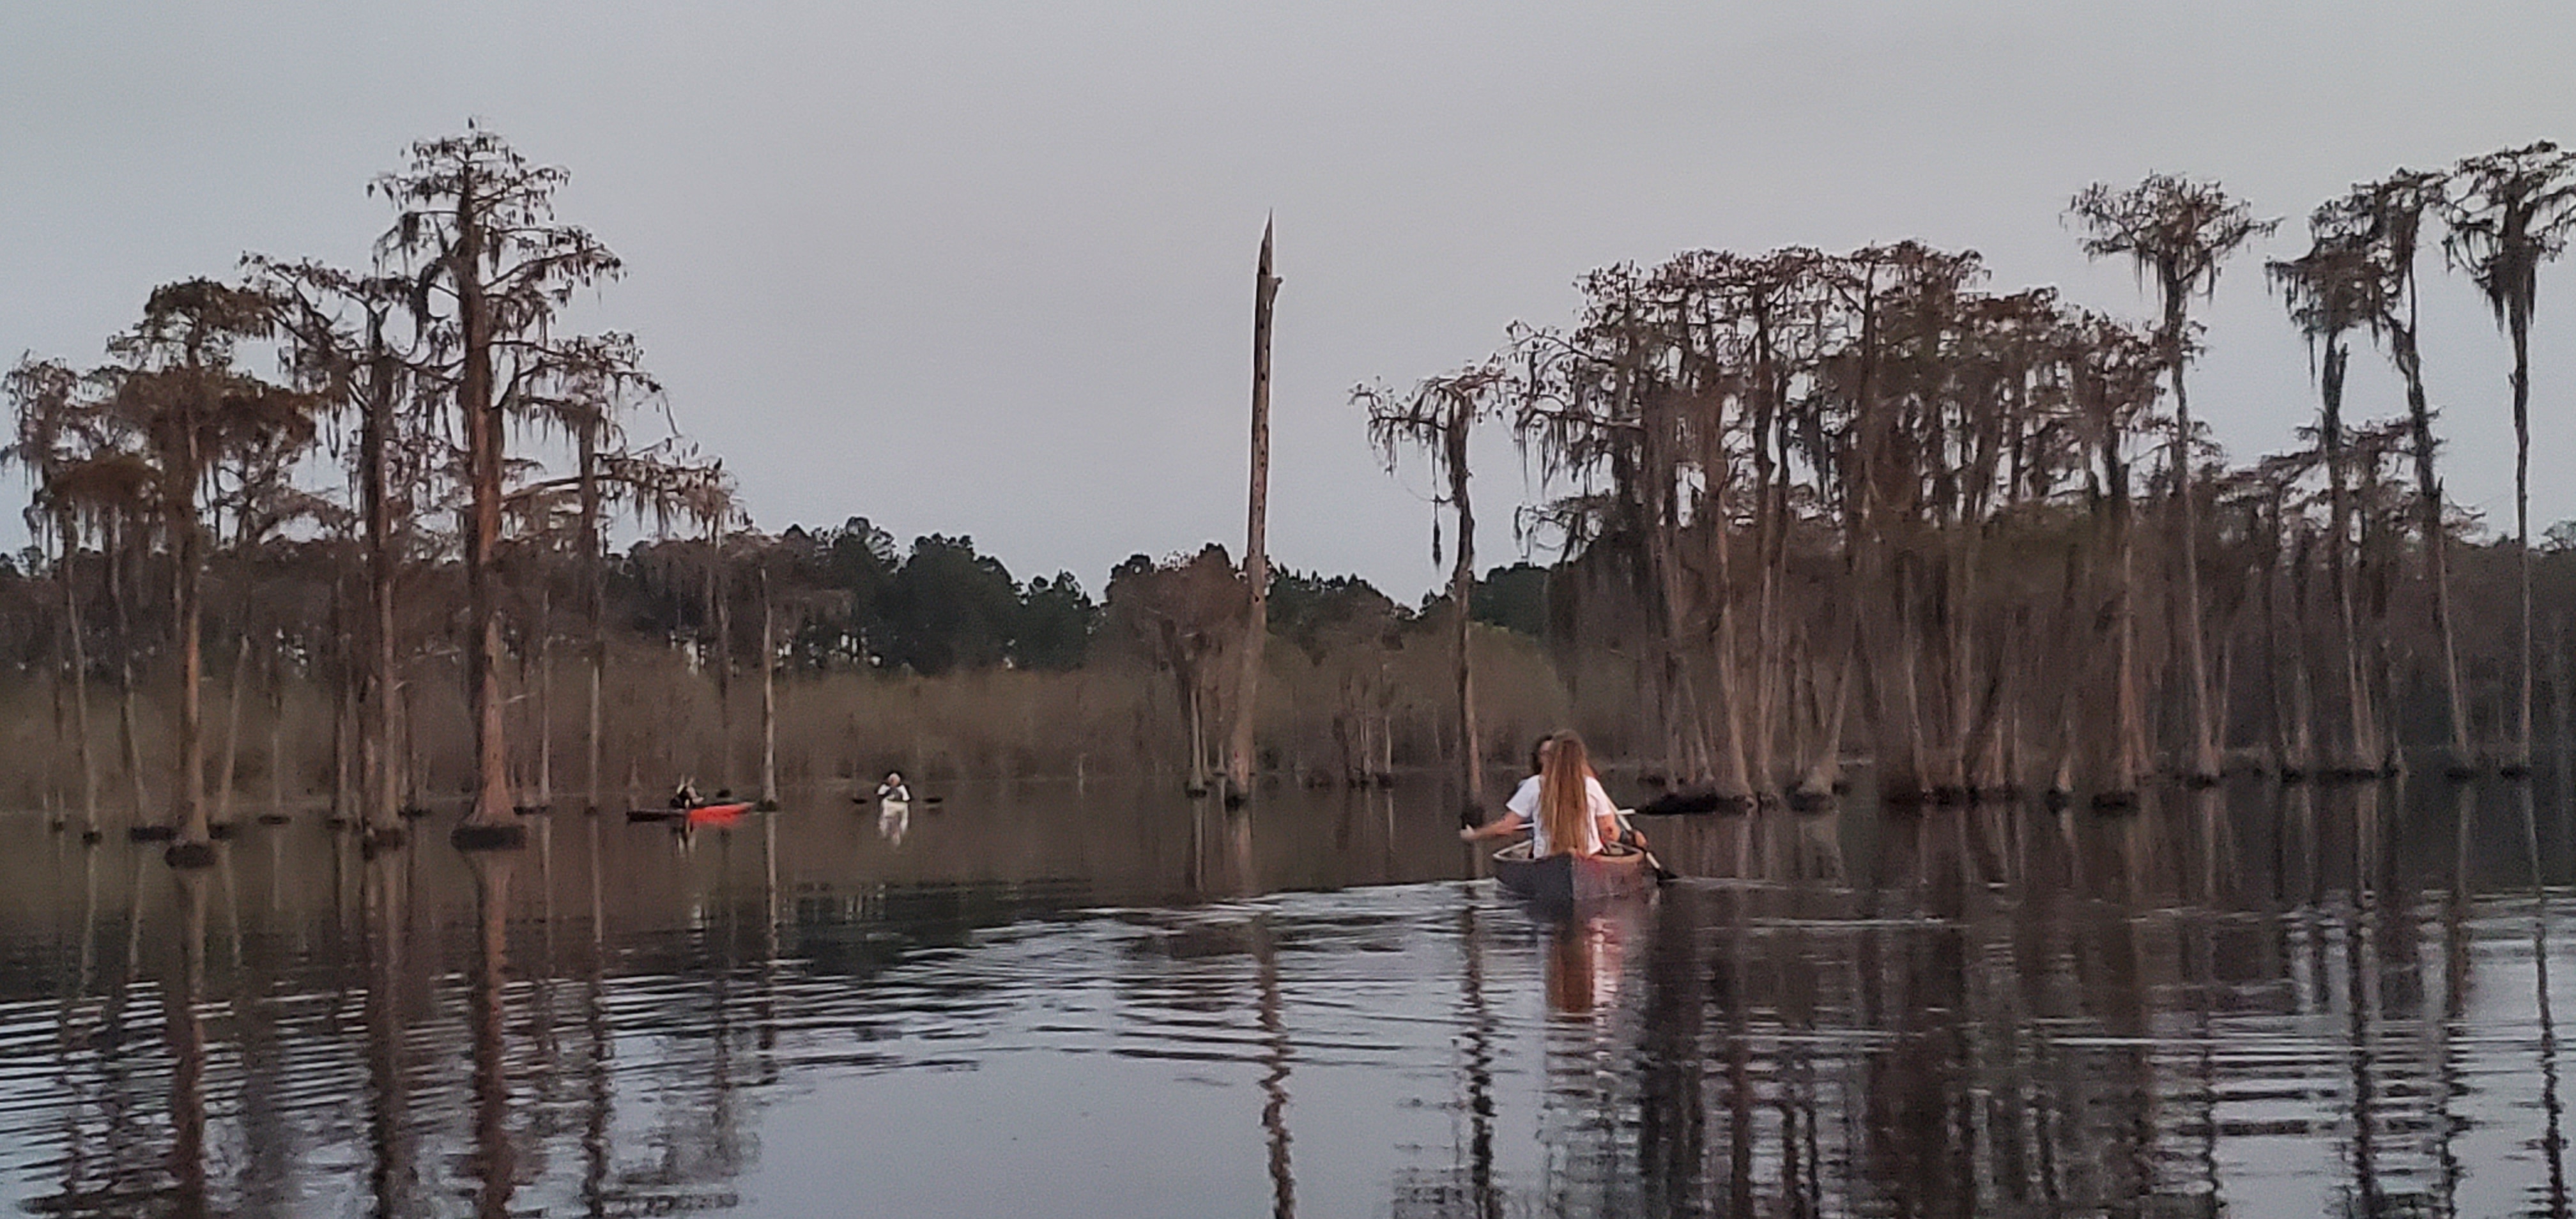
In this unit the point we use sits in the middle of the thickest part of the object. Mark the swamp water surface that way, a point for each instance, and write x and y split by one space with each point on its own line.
1036 1001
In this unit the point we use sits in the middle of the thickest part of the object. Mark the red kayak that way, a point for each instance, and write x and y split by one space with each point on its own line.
720 816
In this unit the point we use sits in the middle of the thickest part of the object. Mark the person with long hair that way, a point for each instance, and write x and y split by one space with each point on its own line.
1594 818
1566 820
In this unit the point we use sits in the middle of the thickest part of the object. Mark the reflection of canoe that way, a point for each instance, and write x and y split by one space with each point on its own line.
893 808
1563 880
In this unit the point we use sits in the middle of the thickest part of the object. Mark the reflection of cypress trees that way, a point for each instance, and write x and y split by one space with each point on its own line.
697 1119
265 1169
113 1135
550 1101
1914 1097
2216 847
1979 1026
1735 980
88 930
1488 1200
1274 1080
765 1011
2553 1143
1801 1103
2112 1161
2447 1068
495 1163
725 1111
71 1023
2357 1030
388 1134
1465 1188
596 1112
1672 1116
2294 850
187 1039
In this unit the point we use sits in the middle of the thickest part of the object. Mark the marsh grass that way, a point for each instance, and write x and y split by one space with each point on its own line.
663 721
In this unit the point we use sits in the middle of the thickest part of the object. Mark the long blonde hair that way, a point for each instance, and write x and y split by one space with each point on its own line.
1564 795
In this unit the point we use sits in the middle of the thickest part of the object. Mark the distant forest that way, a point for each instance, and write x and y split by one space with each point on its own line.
332 532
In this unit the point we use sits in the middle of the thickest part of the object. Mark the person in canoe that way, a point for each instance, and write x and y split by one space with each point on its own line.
1563 783
894 789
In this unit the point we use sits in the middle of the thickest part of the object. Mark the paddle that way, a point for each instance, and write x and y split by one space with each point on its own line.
1654 865
933 802
1467 820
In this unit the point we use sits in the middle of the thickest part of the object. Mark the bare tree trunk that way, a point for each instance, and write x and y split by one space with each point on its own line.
411 768
1462 594
594 608
1772 658
375 734
1256 550
50 793
119 577
2561 700
187 594
2222 710
591 740
2069 645
2303 698
2361 739
720 608
232 727
768 697
2203 756
276 734
1911 769
540 643
1826 769
2437 552
2129 753
348 711
79 650
1385 741
1198 744
491 810
2522 529
1733 783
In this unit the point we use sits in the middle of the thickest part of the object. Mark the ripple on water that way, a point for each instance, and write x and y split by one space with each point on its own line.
2015 1045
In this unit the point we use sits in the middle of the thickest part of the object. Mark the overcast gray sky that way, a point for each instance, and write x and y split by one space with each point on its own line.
985 268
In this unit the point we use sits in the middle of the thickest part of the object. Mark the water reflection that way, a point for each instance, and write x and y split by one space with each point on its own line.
2327 1000
493 1164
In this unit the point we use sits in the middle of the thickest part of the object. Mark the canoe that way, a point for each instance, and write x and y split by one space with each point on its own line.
718 815
1565 880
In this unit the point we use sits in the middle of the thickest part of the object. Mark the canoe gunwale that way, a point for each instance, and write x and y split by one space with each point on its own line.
1565 880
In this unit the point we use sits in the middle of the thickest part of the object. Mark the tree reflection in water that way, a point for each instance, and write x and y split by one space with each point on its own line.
183 989
494 1165
2554 1200
2315 999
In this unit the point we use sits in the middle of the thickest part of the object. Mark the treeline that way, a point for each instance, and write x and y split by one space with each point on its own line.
1827 501
1810 506
369 506
931 657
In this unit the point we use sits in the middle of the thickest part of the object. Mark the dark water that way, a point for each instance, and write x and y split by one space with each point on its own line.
1042 1002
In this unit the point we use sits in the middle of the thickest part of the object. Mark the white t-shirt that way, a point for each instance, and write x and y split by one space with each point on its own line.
1524 801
